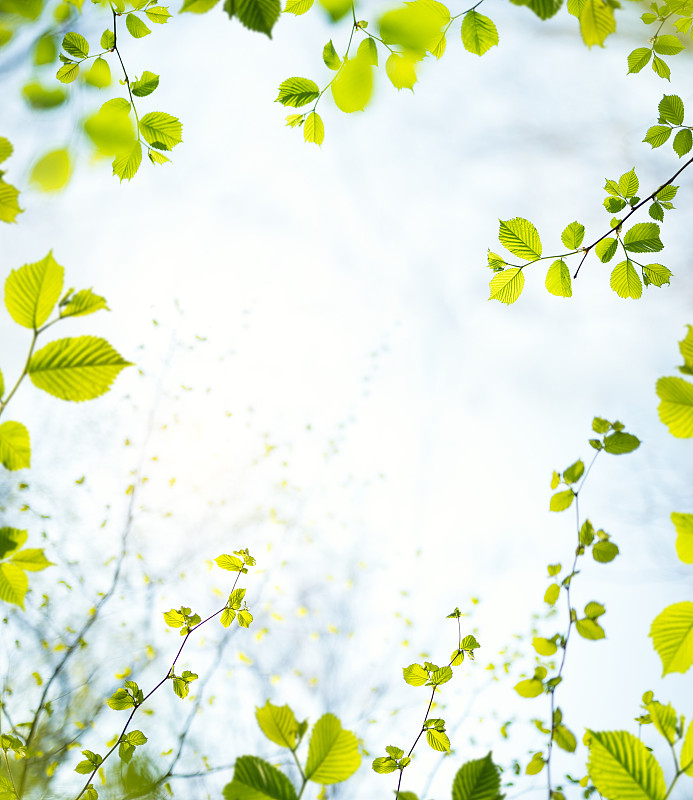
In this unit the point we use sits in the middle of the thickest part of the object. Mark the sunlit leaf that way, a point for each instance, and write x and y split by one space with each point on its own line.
52 172
15 446
278 723
620 766
596 22
507 286
32 291
13 584
333 753
520 237
558 280
255 779
672 637
676 406
353 86
477 780
625 281
479 33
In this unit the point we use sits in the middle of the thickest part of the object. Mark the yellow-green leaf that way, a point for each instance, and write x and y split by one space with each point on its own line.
52 172
82 303
298 7
400 70
664 718
353 86
76 369
532 687
620 766
507 286
558 279
684 536
438 740
31 559
625 281
672 637
126 165
479 33
596 22
278 723
676 407
15 446
520 237
9 204
100 74
313 129
32 291
333 753
161 129
13 584
136 27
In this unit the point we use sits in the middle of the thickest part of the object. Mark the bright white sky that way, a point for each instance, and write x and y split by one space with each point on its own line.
340 296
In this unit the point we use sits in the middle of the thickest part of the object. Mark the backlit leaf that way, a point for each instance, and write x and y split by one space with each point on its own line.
438 740
506 286
638 59
564 738
278 723
684 536
672 637
657 135
625 281
31 559
520 237
126 165
32 291
667 45
562 500
620 766
75 45
77 369
656 274
628 184
333 753
661 68
477 780
606 249
297 92
671 109
558 279
15 446
256 15
479 33
589 629
9 204
368 51
158 14
545 647
573 235
136 26
683 141
145 85
82 303
298 7
330 57
67 73
313 129
100 74
415 675
255 779
400 70
353 86
619 443
13 584
664 719
161 129
52 171
11 539
532 687
676 406
596 22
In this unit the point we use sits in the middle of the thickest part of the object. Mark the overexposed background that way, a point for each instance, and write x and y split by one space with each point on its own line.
319 370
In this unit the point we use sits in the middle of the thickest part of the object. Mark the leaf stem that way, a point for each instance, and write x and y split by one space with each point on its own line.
24 372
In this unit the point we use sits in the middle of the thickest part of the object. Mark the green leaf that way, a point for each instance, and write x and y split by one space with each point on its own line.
40 98
145 85
99 75
161 130
657 135
671 109
562 500
520 237
551 594
558 279
589 629
619 443
227 617
368 51
656 274
440 676
536 765
333 753
75 45
573 235
11 539
136 27
564 738
684 536
415 675
593 610
384 765
256 15
667 192
9 205
137 738
32 291
297 92
683 141
198 6
126 165
628 184
596 22
15 446
255 779
107 39
31 560
230 563
51 172
400 70
676 408
353 86
507 286
687 752
6 149
76 369
278 723
82 303
158 14
121 700
614 204
667 45
415 26
438 740
620 766
686 348
664 718
625 281
638 59
661 68
330 57
545 647
477 780
574 472
13 584
298 7
604 551
672 637
111 129
532 687
479 33
606 249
